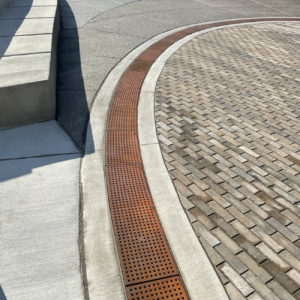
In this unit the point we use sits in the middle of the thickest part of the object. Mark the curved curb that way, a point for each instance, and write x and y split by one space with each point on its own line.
162 194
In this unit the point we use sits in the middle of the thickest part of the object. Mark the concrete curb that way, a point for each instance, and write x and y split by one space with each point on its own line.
28 45
181 237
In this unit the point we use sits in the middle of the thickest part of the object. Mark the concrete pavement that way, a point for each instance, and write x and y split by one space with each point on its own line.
39 192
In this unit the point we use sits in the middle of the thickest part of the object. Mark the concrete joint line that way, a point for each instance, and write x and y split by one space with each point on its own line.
104 275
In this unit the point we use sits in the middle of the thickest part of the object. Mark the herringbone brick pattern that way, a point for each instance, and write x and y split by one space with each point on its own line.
228 122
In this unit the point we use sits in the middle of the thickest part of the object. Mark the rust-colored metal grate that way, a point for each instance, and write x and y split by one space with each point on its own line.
127 186
122 118
170 289
140 65
143 251
131 79
162 46
150 54
148 268
121 147
127 92
123 97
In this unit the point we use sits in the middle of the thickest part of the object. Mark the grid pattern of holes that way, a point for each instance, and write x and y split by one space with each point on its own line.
122 118
144 253
131 79
135 219
127 186
150 54
123 97
127 92
122 147
140 65
171 289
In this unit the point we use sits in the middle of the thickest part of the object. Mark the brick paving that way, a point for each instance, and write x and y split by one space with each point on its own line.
228 122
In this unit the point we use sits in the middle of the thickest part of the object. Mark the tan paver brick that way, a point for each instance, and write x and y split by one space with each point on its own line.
236 279
233 292
228 122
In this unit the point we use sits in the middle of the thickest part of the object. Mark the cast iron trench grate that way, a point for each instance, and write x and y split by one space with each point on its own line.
148 268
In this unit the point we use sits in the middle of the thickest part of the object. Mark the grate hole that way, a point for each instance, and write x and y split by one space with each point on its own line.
170 289
121 147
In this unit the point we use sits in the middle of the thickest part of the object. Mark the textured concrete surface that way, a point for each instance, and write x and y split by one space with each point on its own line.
39 203
46 138
15 12
98 34
227 120
101 261
26 90
29 27
28 64
21 45
39 249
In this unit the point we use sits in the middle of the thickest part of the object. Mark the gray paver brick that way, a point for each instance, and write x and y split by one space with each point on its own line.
227 114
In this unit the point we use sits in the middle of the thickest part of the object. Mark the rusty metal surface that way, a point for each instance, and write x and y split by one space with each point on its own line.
127 91
143 250
122 117
126 185
150 54
170 288
131 79
162 46
122 147
140 65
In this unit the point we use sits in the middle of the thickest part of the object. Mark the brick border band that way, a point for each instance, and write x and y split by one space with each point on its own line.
148 266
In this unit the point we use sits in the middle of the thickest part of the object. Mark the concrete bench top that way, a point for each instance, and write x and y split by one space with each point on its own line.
28 38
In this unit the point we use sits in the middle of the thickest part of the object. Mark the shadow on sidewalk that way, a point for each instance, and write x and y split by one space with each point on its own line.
72 105
2 296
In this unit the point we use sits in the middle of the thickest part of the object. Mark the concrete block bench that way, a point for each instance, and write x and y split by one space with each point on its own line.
28 42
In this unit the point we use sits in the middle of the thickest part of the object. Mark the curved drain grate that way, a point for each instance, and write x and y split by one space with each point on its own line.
171 289
122 118
141 65
127 186
144 253
121 147
148 268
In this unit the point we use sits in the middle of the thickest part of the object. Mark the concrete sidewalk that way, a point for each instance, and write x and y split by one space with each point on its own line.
39 192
